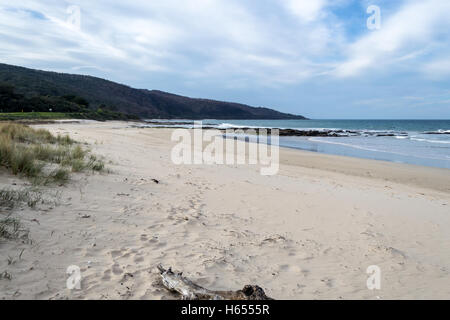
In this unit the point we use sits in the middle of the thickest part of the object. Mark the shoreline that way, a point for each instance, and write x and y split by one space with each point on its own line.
423 148
411 174
309 232
403 173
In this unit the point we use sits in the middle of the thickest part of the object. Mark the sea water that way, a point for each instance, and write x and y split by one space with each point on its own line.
421 142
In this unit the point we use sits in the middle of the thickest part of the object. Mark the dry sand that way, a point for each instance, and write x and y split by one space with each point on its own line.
309 232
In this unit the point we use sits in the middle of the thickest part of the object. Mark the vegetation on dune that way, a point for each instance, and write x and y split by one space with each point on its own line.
10 198
11 227
42 157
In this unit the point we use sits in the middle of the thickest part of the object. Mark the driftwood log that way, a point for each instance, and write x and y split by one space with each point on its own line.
188 290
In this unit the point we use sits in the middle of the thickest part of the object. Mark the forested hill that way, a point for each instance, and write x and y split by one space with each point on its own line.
59 88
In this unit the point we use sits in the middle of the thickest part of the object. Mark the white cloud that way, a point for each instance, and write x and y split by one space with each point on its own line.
416 26
203 38
437 69
306 10
226 41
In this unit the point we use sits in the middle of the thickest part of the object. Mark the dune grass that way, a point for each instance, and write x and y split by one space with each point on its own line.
10 198
22 133
11 228
42 157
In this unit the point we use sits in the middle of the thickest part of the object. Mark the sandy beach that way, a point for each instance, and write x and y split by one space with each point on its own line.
309 232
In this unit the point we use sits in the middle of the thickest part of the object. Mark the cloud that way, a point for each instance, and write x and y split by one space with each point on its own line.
415 27
196 37
306 10
273 50
437 69
231 38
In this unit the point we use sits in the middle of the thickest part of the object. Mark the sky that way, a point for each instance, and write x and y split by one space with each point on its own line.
324 59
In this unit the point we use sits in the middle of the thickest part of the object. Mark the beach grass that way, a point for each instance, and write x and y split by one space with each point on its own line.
10 198
41 156
10 228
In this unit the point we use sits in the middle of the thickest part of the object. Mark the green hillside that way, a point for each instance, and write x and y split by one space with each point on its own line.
34 90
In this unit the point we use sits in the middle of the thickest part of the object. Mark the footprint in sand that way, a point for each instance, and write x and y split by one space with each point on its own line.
116 253
328 282
116 269
107 275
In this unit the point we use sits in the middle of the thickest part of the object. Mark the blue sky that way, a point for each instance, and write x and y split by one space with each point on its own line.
317 58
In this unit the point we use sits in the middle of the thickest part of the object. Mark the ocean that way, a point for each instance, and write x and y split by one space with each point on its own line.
420 142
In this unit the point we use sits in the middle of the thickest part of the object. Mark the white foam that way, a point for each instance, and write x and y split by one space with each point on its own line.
235 126
430 141
440 131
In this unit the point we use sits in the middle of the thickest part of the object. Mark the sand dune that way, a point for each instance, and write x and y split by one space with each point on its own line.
309 232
